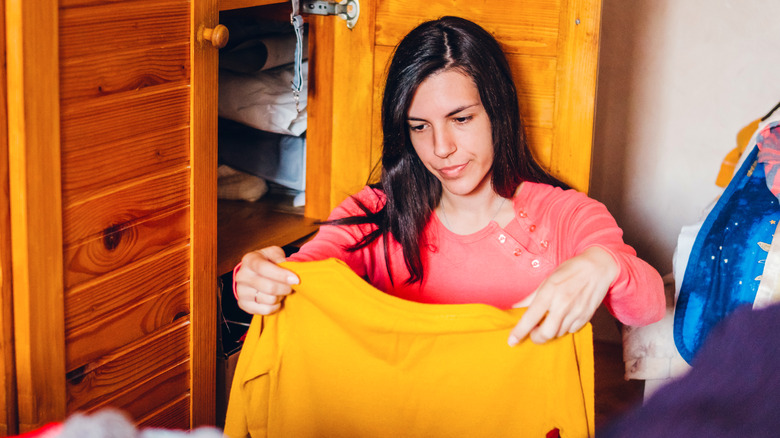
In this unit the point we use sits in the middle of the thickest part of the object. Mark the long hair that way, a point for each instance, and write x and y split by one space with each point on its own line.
412 192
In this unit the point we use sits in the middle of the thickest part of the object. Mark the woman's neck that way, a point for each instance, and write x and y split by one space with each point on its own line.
469 214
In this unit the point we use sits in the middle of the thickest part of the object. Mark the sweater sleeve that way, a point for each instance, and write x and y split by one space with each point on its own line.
636 296
332 241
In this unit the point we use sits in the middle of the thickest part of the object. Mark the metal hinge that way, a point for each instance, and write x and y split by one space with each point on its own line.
348 10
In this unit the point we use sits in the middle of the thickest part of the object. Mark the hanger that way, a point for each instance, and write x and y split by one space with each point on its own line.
769 114
744 135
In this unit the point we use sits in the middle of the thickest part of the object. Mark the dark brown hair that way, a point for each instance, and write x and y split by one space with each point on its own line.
448 43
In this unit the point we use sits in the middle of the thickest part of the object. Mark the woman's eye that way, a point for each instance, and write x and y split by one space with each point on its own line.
463 119
416 128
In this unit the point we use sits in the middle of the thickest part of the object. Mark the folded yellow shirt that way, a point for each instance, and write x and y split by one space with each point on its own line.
343 359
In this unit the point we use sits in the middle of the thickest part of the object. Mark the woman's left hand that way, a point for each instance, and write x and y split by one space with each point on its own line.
567 299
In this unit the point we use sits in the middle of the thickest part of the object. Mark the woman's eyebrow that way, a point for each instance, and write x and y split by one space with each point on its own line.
450 114
461 108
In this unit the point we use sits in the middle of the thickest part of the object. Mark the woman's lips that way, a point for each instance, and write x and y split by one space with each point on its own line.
452 171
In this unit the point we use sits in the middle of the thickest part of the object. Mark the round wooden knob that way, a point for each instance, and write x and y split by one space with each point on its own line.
218 35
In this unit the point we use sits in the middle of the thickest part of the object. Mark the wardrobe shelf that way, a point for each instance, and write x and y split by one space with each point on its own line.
246 226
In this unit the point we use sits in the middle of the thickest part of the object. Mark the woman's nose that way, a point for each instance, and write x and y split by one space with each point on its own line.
443 143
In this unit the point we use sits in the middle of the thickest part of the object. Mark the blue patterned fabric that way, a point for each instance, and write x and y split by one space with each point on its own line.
727 259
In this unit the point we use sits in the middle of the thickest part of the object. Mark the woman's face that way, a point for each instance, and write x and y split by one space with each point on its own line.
451 132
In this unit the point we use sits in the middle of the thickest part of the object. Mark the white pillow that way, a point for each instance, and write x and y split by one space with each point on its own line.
264 100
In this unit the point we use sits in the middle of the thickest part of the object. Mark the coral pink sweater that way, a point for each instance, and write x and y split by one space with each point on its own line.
499 266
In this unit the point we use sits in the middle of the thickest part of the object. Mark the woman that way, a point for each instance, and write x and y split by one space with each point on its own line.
463 213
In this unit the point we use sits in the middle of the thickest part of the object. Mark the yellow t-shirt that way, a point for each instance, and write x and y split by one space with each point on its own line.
344 359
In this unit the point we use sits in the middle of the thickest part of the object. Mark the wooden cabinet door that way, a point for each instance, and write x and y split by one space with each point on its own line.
112 163
7 374
552 47
36 218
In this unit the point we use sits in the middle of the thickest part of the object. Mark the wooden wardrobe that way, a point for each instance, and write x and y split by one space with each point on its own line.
113 238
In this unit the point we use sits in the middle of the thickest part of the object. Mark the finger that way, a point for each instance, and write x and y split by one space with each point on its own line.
258 309
565 327
274 254
262 298
269 286
263 264
525 302
548 329
530 319
578 325
571 322
262 287
270 281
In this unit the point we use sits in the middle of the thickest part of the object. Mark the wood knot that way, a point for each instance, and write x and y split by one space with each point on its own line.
111 237
76 376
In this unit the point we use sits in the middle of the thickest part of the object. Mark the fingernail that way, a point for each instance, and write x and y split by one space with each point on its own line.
292 280
512 341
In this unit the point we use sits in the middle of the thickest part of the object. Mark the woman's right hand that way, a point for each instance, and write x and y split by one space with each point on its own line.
260 283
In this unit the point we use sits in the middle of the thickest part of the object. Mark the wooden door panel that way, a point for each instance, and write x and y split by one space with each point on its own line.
91 27
382 55
166 386
81 3
116 118
137 281
535 78
101 74
153 153
203 214
113 108
540 140
117 209
34 176
340 110
575 91
128 369
529 27
7 371
175 415
139 106
108 334
117 248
